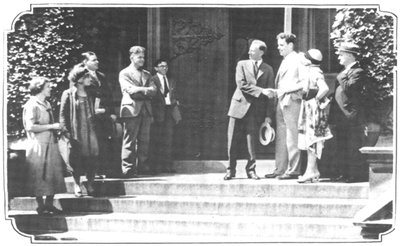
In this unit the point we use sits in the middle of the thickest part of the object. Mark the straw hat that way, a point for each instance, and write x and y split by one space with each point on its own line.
266 134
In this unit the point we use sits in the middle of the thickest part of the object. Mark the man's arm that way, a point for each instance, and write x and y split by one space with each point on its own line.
353 81
135 92
151 89
271 99
243 83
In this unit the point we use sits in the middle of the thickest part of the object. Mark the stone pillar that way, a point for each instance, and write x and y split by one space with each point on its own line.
288 20
153 36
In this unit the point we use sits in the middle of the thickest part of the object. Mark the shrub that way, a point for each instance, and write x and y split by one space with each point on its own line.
41 44
373 31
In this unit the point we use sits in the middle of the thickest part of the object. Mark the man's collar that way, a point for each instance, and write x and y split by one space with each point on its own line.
133 67
351 65
258 61
160 75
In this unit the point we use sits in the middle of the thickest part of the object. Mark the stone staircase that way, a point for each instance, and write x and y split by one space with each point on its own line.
199 207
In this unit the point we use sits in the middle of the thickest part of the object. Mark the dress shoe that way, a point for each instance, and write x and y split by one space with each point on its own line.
252 175
42 210
339 179
271 175
129 175
287 176
229 176
352 179
53 210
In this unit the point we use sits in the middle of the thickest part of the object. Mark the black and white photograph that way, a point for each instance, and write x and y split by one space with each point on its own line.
216 122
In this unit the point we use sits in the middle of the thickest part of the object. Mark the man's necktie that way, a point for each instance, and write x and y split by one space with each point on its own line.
166 90
255 69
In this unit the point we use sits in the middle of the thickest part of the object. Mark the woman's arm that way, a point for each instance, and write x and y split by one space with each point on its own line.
323 89
31 119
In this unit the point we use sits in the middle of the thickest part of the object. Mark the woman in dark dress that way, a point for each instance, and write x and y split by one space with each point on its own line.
77 119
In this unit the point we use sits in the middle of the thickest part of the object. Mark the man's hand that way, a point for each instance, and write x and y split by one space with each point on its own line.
99 111
133 89
113 117
269 92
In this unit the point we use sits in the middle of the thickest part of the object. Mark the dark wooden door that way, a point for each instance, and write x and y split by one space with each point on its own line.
199 52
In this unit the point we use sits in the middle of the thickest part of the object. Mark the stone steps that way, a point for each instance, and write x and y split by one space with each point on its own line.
202 208
247 228
251 206
213 185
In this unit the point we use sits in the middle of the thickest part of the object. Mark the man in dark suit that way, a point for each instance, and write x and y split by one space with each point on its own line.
347 117
137 90
105 117
166 115
248 105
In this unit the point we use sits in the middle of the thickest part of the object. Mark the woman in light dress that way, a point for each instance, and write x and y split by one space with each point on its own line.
44 163
313 125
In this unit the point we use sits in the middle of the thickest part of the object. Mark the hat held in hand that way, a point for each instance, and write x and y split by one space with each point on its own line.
266 133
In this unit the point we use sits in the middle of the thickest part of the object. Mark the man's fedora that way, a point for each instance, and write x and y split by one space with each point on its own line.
266 134
349 48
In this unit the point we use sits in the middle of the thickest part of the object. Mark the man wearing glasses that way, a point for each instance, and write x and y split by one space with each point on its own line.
166 115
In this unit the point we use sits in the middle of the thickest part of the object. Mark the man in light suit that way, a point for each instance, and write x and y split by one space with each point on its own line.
287 82
166 115
248 105
137 91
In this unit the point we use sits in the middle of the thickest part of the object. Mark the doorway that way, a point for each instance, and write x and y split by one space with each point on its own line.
248 24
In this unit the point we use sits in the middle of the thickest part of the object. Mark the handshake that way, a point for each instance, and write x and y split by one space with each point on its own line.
270 93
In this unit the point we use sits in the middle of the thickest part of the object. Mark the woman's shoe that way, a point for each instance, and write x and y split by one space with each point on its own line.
78 191
308 179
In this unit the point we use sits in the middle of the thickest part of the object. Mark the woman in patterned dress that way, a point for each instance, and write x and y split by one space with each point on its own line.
313 125
44 163
77 120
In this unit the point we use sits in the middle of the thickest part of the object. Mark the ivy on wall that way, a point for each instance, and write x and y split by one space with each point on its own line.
42 44
373 31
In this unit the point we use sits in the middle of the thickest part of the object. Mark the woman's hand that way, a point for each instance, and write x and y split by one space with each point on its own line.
55 126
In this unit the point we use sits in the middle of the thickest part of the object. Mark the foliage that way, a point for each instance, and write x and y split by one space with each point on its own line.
373 32
41 44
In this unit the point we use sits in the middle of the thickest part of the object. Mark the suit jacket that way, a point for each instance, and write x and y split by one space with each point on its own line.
347 106
158 102
133 104
289 75
104 93
249 89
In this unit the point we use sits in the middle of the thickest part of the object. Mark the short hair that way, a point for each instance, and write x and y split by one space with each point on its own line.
134 50
86 55
261 45
36 85
159 61
288 37
77 72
